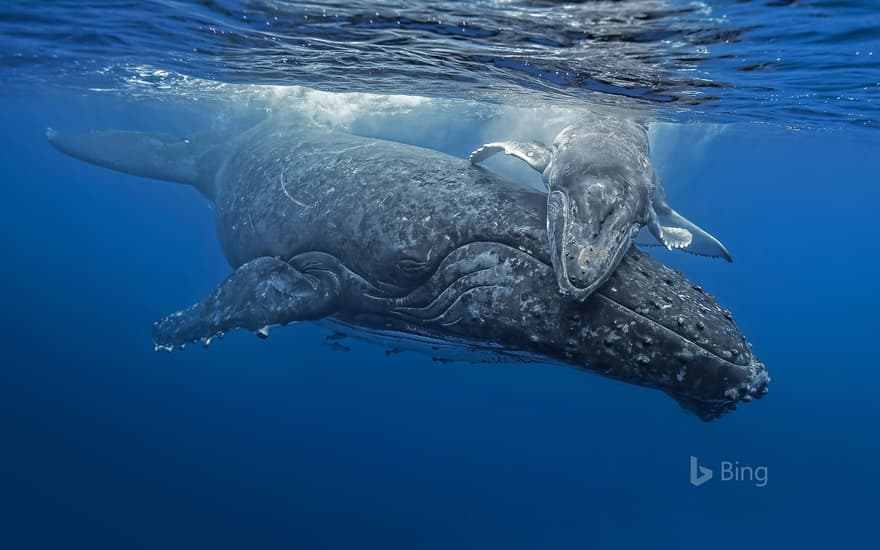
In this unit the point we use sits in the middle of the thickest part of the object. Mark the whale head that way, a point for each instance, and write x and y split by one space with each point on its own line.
600 187
591 222
657 329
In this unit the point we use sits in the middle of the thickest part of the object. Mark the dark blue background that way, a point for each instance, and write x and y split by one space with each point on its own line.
287 443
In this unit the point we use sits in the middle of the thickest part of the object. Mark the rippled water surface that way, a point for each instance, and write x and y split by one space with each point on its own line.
809 63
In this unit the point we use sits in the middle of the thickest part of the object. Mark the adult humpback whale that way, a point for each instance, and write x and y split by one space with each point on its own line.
399 239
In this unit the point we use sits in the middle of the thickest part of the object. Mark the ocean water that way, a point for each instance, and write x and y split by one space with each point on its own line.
764 128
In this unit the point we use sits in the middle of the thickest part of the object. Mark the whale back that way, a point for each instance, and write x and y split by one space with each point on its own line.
392 210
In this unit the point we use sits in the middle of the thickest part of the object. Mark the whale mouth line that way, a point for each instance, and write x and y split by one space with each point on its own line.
667 329
619 251
599 292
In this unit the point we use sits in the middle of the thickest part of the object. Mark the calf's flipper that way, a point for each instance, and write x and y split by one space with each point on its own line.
537 155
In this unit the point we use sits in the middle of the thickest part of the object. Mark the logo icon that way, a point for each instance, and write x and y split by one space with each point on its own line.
699 474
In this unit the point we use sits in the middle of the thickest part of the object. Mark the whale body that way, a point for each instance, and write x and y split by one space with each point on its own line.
602 189
323 225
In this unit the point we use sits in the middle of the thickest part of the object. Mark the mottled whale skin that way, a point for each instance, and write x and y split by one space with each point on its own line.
395 238
602 189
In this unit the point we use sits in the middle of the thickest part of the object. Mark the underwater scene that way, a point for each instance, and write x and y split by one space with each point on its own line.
488 274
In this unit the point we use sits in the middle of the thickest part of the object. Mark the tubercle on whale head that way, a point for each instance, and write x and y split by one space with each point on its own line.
647 325
656 329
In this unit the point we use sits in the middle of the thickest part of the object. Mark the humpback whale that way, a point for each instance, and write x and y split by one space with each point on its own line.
602 189
381 236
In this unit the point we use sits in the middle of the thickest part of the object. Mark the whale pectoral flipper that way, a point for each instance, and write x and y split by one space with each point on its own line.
673 230
263 292
537 155
683 234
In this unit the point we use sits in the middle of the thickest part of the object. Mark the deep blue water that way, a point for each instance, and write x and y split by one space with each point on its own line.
766 132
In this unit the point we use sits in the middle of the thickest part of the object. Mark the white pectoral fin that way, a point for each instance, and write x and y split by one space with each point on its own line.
536 155
673 230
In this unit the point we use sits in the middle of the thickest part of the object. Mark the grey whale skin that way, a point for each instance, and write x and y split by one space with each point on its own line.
602 190
390 237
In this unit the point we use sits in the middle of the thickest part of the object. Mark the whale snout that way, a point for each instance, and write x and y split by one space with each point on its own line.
590 233
678 339
590 258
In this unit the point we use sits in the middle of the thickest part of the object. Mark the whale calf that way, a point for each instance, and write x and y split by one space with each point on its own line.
602 189
396 239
